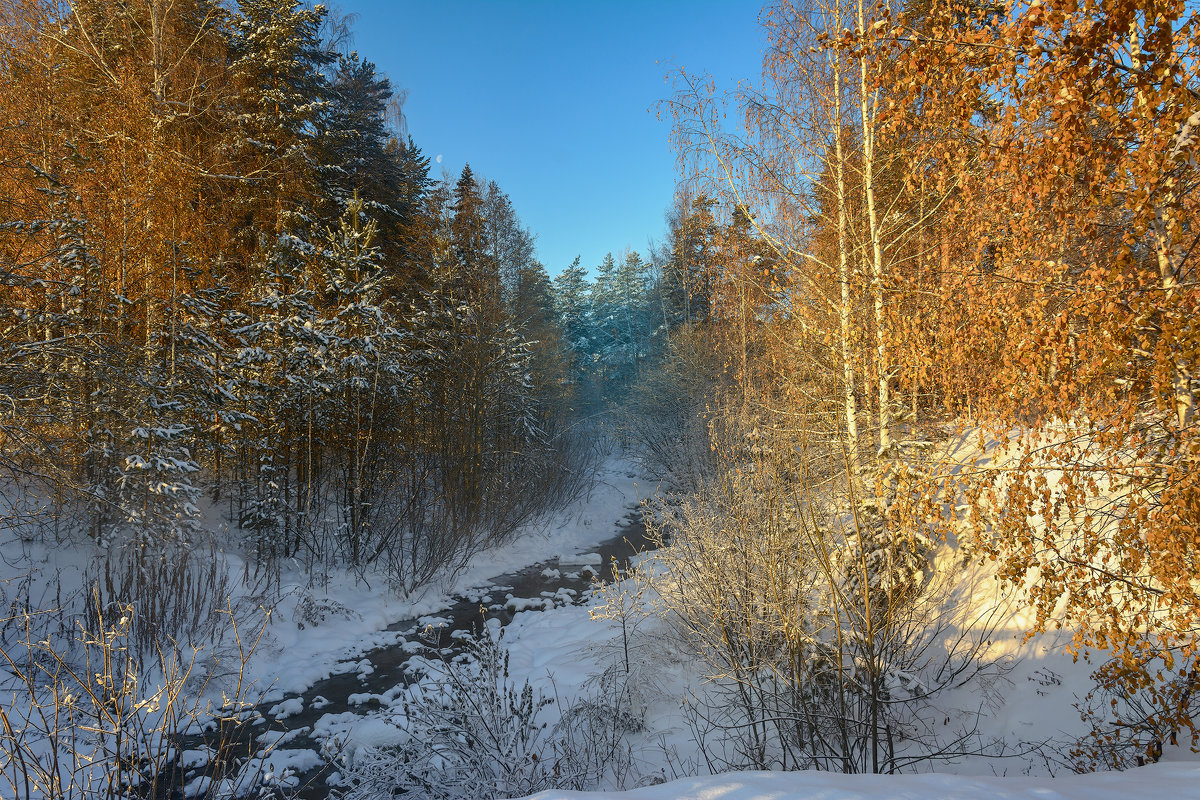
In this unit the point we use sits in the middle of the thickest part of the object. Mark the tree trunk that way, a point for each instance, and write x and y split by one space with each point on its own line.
868 119
844 316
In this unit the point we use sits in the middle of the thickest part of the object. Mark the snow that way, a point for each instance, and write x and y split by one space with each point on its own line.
1156 780
562 648
349 731
288 708
363 698
280 766
516 604
277 739
580 560
369 609
190 759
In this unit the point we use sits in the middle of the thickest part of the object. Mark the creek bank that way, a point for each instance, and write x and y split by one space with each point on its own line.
287 732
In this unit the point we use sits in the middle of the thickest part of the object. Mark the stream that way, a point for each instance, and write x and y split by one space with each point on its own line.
288 724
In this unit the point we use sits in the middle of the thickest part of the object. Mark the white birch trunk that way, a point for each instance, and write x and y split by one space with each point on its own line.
867 111
849 404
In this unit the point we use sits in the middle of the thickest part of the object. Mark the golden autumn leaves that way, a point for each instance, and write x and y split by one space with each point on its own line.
1013 189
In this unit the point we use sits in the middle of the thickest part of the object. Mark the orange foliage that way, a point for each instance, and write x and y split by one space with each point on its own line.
1080 121
1034 168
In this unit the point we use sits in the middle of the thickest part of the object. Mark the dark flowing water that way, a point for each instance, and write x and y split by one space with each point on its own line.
546 583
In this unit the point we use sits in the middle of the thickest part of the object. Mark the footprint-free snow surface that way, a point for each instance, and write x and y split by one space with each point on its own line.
1175 781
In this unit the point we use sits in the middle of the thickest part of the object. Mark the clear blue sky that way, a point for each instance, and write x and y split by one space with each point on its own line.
555 101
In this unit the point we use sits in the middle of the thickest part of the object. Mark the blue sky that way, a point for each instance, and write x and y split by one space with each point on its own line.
555 101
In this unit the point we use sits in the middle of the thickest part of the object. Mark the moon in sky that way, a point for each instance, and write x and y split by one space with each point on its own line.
439 158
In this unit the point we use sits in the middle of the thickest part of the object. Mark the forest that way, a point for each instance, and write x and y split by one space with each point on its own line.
231 285
920 340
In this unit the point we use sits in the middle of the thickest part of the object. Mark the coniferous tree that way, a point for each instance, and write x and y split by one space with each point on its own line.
571 289
358 154
181 390
633 293
572 292
621 312
277 64
689 273
476 273
283 375
536 320
605 307
352 137
368 377
175 318
510 245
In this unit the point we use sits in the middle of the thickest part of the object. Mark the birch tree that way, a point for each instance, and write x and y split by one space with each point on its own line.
1084 194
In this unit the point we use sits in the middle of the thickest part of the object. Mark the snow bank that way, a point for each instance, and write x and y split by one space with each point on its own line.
362 609
1156 780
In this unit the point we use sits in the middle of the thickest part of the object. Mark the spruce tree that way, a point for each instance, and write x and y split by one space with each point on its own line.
360 155
688 275
283 374
368 373
571 290
472 262
535 318
277 64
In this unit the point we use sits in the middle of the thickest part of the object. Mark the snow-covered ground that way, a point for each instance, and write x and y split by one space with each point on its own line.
562 650
1033 704
361 610
314 632
1176 781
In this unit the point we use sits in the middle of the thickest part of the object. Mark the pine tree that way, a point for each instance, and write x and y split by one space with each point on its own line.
687 277
352 137
510 245
535 318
